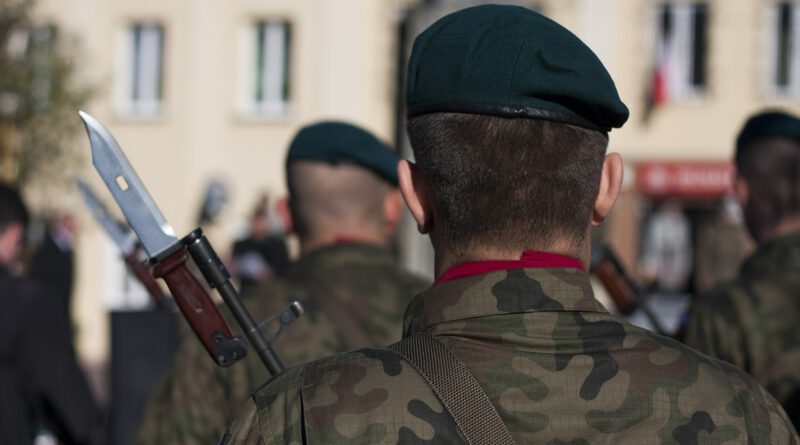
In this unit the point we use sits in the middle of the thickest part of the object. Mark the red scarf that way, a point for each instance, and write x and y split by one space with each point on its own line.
529 259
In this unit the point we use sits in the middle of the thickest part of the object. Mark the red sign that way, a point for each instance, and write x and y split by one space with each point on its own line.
685 179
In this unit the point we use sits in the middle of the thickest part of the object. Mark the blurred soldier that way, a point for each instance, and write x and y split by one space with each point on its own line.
508 119
344 206
40 382
753 321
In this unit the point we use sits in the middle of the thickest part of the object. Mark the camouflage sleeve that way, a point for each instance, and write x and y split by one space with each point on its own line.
714 328
765 420
190 405
246 430
273 415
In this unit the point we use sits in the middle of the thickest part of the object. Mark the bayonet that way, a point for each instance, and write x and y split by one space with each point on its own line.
125 239
169 255
144 217
117 230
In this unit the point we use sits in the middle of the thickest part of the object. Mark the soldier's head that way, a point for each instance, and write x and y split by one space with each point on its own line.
509 116
768 174
342 184
13 222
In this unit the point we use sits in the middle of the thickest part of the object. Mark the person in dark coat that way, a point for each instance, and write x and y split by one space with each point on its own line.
40 381
53 264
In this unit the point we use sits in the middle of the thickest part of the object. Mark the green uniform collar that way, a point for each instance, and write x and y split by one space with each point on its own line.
503 292
341 254
779 253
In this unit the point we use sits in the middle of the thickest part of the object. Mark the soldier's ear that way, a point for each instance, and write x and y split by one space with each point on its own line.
610 186
415 194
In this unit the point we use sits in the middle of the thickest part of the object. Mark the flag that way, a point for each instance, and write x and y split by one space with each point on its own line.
679 66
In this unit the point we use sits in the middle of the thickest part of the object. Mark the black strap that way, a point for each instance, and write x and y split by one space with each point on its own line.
456 387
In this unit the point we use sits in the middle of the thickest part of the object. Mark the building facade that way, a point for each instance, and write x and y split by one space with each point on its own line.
196 91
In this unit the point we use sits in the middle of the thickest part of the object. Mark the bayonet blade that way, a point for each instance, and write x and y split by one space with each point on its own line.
117 230
142 213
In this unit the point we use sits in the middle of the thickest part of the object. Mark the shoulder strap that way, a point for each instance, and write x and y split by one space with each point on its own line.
456 387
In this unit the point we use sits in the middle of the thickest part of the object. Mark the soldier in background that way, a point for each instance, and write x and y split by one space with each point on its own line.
40 381
344 206
509 116
753 320
262 254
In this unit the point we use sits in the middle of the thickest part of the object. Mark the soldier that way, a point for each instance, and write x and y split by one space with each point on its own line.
508 119
344 206
41 383
753 320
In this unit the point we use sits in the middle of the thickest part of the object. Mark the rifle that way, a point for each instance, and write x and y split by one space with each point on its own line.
628 296
169 255
126 240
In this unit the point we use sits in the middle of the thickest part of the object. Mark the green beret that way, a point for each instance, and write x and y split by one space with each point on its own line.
769 124
339 142
510 61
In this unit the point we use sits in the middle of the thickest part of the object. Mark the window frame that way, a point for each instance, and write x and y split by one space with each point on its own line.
771 89
254 82
129 60
689 91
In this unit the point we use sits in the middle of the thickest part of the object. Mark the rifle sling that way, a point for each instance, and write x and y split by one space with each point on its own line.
456 387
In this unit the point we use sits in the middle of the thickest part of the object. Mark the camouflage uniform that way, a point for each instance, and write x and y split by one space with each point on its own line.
557 366
198 400
752 322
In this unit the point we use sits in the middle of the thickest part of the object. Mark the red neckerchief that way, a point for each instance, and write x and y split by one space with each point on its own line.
528 259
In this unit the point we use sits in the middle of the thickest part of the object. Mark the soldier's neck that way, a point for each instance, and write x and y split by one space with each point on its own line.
312 243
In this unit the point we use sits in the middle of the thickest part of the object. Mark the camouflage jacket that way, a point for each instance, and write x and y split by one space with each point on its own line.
753 321
198 400
557 366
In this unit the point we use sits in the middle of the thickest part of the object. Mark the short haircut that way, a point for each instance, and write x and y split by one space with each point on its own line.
509 183
334 197
12 209
771 167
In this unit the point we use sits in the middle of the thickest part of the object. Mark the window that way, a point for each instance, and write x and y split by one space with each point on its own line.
141 76
681 51
266 85
783 26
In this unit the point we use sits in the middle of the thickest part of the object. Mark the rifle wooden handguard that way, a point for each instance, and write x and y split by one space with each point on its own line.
202 314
